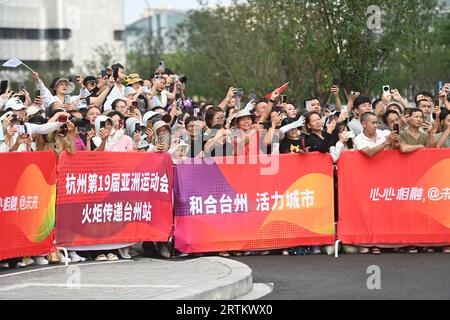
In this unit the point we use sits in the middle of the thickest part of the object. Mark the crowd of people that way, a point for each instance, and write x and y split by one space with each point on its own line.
116 112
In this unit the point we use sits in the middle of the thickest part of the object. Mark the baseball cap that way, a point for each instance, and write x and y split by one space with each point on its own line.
89 79
130 91
31 111
14 104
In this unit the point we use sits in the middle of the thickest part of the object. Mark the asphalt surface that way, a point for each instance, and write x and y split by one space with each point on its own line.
403 276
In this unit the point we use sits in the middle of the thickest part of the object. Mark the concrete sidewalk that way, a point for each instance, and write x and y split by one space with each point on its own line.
210 278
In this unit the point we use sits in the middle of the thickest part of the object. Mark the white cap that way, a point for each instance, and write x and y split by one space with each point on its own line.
31 111
129 91
15 104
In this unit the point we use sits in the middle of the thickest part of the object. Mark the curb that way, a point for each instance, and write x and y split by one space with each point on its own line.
238 283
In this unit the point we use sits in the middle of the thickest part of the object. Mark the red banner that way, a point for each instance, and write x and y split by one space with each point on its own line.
238 204
395 198
114 198
27 203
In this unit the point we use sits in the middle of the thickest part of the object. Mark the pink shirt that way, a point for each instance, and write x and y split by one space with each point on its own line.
124 144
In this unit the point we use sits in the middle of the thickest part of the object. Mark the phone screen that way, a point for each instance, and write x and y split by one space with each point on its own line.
396 128
104 74
66 99
82 130
239 93
3 86
102 124
116 73
20 129
137 128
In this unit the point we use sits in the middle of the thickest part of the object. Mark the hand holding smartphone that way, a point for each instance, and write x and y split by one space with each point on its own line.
116 73
396 129
3 87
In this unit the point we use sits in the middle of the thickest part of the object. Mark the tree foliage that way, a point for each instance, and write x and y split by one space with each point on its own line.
261 44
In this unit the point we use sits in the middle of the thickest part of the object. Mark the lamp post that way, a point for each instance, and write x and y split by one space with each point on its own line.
150 35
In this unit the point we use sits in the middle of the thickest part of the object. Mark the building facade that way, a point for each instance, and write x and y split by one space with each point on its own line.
160 21
43 31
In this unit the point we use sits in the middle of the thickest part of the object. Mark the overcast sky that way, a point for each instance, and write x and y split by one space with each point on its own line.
134 8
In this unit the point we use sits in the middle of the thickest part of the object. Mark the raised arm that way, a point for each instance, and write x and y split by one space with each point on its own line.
46 95
230 94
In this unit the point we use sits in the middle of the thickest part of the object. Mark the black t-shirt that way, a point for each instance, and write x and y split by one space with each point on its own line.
292 146
315 143
227 150
196 147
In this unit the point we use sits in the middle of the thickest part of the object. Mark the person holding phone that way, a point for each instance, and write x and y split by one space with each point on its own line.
335 92
60 140
313 105
137 83
427 107
60 88
15 138
393 121
117 91
158 97
230 100
109 138
413 138
161 138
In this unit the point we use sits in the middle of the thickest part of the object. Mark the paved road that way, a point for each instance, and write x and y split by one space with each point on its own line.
420 276
142 279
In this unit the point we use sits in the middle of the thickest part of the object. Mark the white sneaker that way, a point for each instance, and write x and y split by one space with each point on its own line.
124 253
41 261
330 250
316 250
75 257
28 261
63 259
20 264
101 258
4 265
112 257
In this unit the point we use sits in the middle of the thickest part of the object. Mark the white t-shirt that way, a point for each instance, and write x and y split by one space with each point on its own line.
355 126
362 142
115 94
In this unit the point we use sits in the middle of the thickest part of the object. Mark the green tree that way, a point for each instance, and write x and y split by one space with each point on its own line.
261 44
